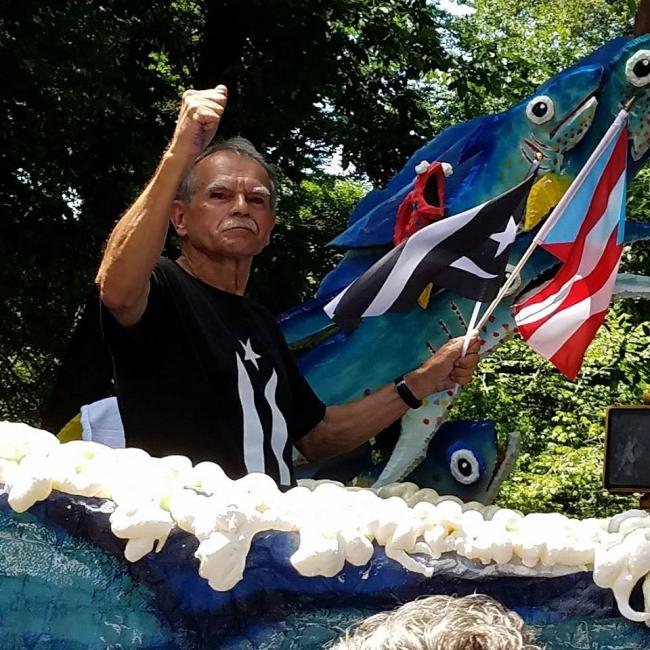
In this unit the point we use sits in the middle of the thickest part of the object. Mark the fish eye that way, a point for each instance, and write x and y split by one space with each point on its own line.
540 109
464 466
637 68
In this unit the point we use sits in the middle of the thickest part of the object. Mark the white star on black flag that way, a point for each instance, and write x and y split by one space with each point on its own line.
466 253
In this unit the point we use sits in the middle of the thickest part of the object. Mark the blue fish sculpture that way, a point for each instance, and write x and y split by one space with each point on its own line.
562 122
343 367
487 153
463 459
625 78
467 464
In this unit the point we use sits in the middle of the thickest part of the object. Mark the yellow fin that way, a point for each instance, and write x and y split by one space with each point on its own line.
72 430
544 196
423 300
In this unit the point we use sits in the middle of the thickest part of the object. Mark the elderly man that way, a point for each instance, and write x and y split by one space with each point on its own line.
200 369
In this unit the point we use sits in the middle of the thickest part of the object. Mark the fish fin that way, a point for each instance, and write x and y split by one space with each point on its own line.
506 466
425 296
354 264
636 231
72 430
629 285
447 146
307 325
544 196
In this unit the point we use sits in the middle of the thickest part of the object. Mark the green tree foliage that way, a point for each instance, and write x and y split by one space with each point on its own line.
90 94
561 422
310 76
84 88
507 48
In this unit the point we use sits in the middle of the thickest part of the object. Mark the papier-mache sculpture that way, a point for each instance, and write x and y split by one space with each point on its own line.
562 124
154 552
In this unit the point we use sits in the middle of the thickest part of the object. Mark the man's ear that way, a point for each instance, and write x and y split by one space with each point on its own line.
273 222
177 217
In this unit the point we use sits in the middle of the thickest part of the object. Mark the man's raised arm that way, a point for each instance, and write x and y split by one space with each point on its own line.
138 239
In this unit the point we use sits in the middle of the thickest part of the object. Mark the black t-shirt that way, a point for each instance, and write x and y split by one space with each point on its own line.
208 374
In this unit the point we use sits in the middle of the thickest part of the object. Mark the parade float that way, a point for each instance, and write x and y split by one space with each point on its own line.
110 547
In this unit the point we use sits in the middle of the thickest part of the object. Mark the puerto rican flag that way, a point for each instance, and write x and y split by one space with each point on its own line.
560 321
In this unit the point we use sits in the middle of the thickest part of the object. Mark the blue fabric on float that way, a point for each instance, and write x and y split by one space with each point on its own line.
64 579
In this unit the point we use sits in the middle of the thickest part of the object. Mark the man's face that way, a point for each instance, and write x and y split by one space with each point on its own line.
230 214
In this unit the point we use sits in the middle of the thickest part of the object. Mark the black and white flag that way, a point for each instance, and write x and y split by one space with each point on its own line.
466 253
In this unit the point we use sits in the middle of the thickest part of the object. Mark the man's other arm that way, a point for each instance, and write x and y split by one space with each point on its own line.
138 239
348 426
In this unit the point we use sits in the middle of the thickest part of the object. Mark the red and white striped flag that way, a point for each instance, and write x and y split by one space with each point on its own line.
560 321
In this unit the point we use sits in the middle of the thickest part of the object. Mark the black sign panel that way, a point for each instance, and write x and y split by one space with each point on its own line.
627 449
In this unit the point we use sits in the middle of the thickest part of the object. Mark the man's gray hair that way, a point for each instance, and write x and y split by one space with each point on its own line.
240 146
475 622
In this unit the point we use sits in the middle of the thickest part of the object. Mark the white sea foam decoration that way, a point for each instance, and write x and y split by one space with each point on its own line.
149 496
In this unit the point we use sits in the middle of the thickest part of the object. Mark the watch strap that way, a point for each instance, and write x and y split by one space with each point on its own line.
405 393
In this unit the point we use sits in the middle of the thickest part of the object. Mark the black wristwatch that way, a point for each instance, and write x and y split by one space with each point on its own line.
405 393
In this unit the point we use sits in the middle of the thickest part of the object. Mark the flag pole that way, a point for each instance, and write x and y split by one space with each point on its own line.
557 211
470 327
468 334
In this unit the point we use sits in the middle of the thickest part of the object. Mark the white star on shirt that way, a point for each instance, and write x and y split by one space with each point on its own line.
249 355
506 237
